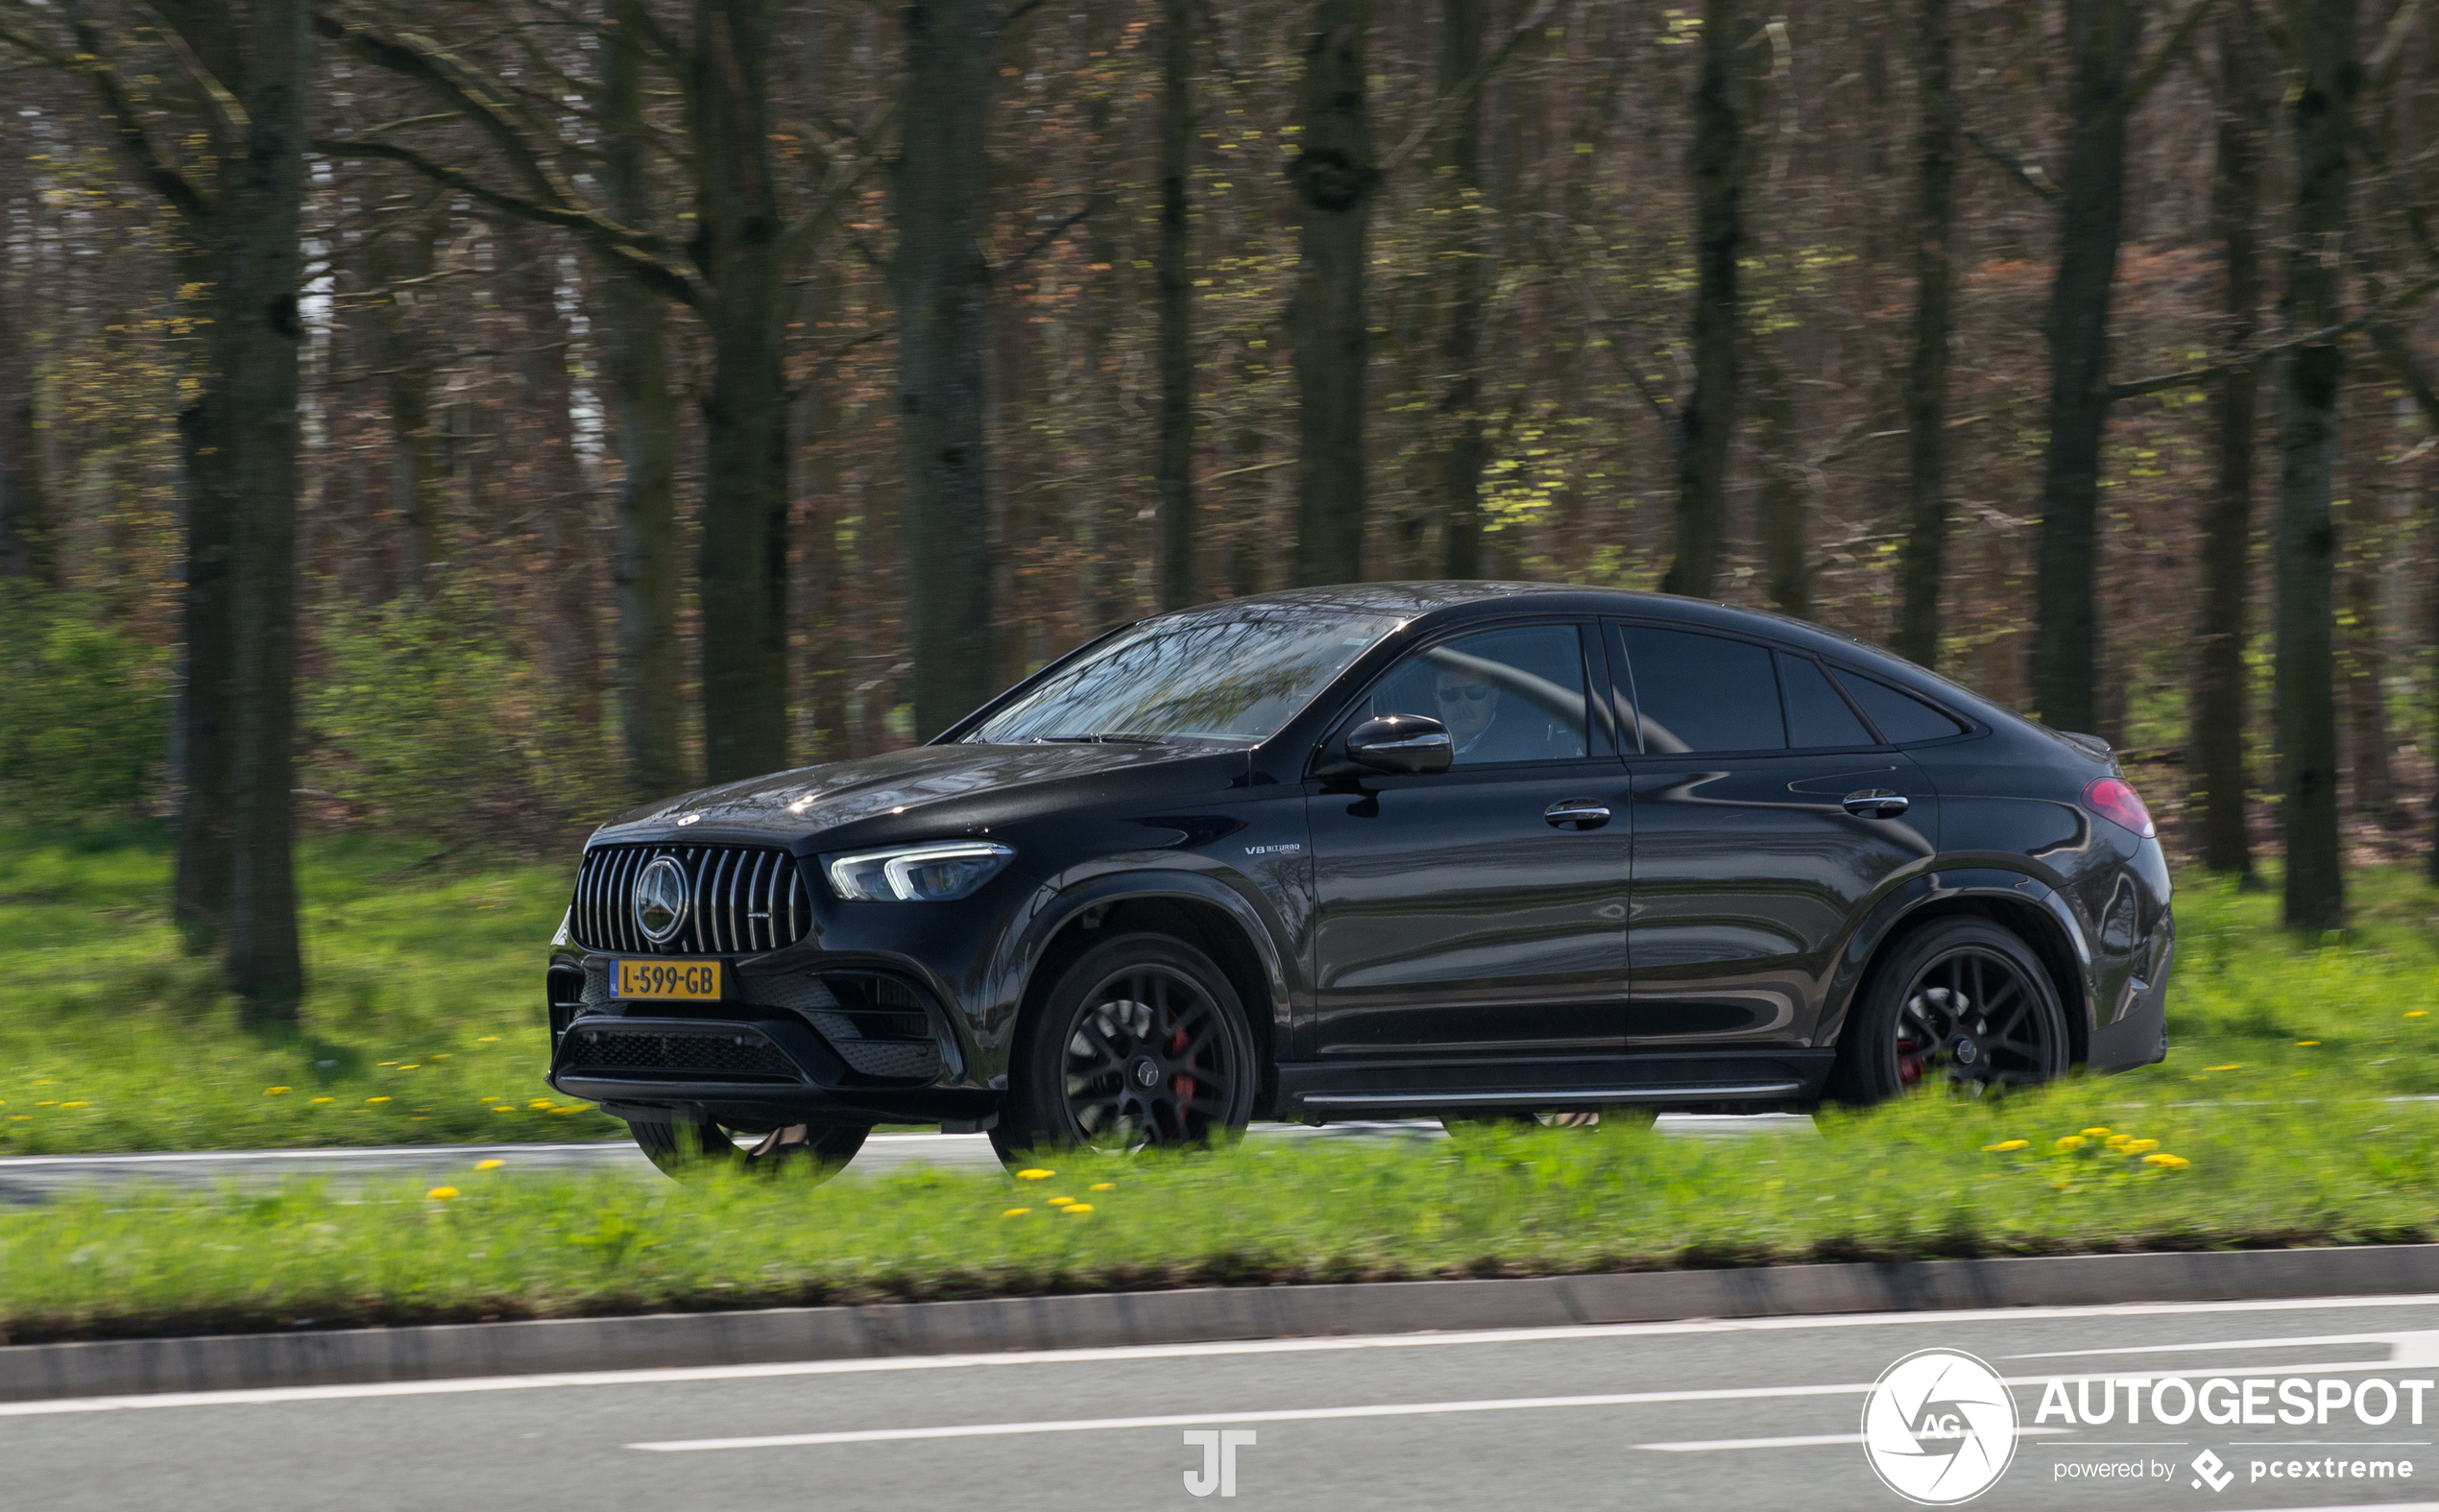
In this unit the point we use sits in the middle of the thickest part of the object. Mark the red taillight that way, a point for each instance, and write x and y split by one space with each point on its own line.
2114 800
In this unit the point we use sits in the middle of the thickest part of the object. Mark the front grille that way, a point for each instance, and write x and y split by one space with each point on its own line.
724 1053
740 899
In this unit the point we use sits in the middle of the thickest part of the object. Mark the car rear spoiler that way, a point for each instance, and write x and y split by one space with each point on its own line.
2096 746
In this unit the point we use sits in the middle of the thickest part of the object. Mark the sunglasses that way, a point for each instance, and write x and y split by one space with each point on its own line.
1472 691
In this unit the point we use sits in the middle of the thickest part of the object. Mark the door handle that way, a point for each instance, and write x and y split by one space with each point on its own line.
1876 803
1577 813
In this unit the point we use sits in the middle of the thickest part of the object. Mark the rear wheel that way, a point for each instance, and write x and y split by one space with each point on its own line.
685 1143
1960 1003
1141 1042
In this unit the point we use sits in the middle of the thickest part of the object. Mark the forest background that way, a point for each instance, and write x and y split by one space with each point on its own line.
467 419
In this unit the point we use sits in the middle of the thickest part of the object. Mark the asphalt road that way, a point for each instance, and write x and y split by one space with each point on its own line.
32 1178
1691 1415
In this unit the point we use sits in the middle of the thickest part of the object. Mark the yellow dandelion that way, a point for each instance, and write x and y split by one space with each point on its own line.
488 1038
1034 1173
276 1092
52 1104
389 1062
1060 1202
1016 1212
440 1057
376 1099
2067 1142
442 1194
20 1117
412 1066
503 1108
76 1105
2418 1013
2307 1042
323 1100
2140 1146
1079 1206
2167 1162
1104 1185
488 1165
541 1102
2095 1134
2116 1142
2007 1145
2237 1067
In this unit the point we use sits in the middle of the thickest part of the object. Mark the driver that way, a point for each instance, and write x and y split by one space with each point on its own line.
1468 707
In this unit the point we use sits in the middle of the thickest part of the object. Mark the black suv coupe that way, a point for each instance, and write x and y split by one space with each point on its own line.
1479 851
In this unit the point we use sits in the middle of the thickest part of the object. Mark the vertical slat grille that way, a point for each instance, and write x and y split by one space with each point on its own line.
740 900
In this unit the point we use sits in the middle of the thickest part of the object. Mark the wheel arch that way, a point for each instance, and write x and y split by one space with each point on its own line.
1208 915
2024 905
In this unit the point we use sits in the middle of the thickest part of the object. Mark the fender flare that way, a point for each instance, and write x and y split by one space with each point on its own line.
1890 912
1053 907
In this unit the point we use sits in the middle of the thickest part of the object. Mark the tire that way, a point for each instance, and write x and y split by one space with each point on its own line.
687 1144
1959 1001
1140 1042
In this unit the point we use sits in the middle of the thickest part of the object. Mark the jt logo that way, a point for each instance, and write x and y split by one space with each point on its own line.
1219 1459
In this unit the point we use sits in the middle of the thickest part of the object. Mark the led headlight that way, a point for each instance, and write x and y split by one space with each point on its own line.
939 872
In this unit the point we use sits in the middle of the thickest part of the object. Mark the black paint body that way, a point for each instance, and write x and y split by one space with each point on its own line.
1411 943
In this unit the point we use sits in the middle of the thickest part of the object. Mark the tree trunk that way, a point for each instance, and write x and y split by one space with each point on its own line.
2320 116
1335 180
1176 552
1467 269
741 579
2104 37
247 470
941 286
1706 424
396 265
2374 786
1923 560
26 547
556 495
2219 678
1786 573
643 422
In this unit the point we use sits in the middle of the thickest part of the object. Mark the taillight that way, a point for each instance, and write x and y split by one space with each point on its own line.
2112 799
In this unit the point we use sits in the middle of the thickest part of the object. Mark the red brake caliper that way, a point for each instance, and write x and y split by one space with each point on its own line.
1909 1070
1182 1084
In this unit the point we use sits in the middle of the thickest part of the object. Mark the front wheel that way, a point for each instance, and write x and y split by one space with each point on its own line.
685 1145
1960 1003
1141 1042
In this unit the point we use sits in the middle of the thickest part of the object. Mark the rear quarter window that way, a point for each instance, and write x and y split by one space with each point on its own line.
1903 718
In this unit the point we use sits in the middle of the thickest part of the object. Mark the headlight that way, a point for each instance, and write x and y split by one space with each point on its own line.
939 872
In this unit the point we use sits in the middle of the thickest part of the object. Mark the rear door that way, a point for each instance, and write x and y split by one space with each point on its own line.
1465 915
1755 837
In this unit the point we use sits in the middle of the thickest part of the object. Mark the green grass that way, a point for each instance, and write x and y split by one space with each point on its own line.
1916 1180
425 1022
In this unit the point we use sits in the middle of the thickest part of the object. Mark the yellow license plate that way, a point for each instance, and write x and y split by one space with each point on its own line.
666 979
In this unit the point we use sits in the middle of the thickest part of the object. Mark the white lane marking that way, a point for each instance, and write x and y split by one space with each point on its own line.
1621 1398
262 1396
1704 1446
2365 1507
2406 1351
1387 1409
431 1152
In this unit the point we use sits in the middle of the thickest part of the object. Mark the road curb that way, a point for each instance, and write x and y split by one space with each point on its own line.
34 1372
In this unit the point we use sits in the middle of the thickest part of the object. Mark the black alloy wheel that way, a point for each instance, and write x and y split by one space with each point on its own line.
1961 1003
685 1143
1140 1043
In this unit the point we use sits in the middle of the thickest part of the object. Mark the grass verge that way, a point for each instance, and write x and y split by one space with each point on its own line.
1927 1178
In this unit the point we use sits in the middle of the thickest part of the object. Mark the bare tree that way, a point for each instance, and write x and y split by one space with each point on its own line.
1922 559
1705 422
1335 180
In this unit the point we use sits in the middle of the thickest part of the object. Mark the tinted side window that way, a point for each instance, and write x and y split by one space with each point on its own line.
1506 695
1698 692
1818 719
1903 717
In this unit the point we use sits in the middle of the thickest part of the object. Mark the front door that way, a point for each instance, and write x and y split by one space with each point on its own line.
1749 860
1477 913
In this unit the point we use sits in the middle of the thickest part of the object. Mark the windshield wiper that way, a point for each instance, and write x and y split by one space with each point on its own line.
1099 740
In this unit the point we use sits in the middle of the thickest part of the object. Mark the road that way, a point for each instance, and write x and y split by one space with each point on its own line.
1698 1415
32 1178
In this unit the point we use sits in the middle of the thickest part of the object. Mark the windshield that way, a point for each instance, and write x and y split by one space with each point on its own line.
1236 677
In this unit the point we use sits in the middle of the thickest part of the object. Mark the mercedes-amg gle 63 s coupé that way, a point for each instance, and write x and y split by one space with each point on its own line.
1479 851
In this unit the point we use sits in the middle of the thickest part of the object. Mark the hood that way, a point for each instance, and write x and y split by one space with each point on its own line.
956 786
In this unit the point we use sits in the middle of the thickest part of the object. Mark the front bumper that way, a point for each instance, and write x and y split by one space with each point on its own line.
778 1047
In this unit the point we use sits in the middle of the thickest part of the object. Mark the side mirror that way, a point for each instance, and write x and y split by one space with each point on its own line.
1407 744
